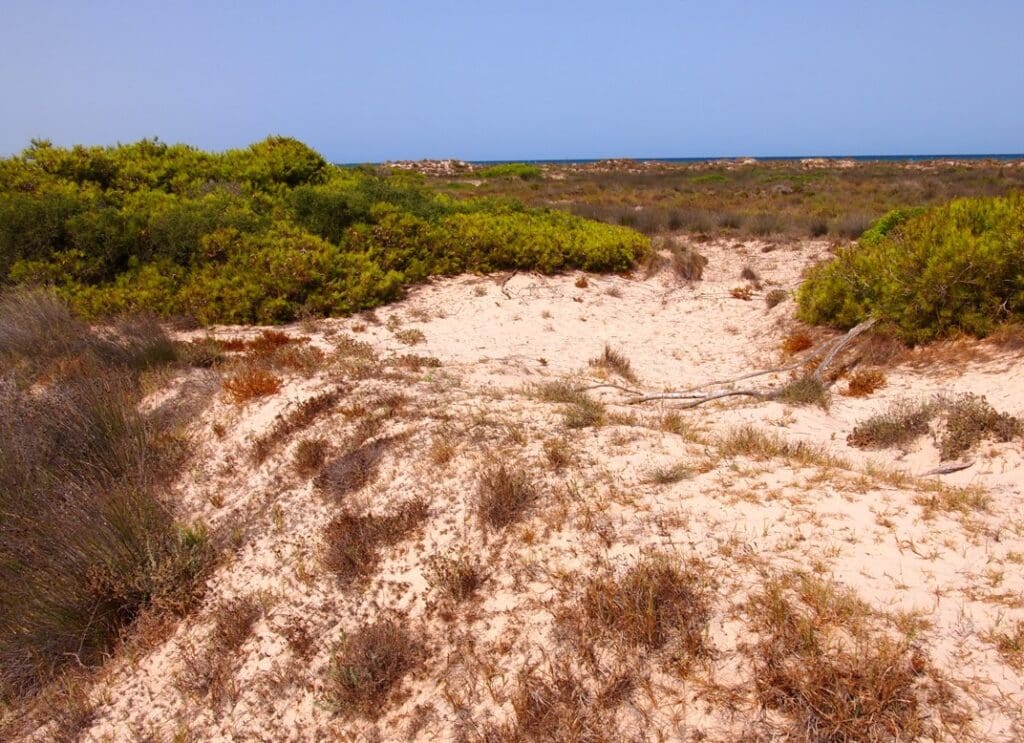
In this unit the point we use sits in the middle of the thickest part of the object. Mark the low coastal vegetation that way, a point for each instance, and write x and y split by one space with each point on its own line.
266 234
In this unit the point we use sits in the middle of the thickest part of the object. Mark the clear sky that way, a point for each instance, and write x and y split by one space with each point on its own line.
369 81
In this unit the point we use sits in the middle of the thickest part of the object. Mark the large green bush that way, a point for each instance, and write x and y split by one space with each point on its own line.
956 268
265 234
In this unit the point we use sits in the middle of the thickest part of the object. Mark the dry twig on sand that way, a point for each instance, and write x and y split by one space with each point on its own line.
827 351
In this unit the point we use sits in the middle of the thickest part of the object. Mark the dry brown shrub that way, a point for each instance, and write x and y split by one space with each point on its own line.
250 383
209 672
504 494
309 456
797 341
352 542
899 424
410 336
368 664
775 297
669 474
288 423
268 342
687 263
558 452
863 383
415 363
741 292
352 470
558 704
969 420
582 282
233 344
1009 336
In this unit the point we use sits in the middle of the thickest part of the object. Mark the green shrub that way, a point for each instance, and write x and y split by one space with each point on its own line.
957 268
261 235
524 171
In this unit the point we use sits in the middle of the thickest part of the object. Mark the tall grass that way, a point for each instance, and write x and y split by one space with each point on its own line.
86 542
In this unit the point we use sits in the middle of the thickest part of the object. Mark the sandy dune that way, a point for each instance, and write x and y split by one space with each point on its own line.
938 571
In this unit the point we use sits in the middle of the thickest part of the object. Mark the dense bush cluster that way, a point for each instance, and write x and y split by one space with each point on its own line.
525 171
265 234
957 268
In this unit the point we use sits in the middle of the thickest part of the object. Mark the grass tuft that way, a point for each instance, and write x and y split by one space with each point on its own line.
615 362
504 494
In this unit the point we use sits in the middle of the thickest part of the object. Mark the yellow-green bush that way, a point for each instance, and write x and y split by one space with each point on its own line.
265 234
956 268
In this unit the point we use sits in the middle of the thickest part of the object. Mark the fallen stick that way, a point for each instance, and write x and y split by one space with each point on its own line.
829 350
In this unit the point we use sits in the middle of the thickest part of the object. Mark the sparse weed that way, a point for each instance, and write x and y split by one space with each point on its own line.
584 412
670 473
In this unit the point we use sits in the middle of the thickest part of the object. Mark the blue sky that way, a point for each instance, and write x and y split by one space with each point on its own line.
371 81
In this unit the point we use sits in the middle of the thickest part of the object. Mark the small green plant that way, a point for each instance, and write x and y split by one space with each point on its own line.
583 412
804 390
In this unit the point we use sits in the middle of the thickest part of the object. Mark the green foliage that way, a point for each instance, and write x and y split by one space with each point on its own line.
266 234
524 171
957 268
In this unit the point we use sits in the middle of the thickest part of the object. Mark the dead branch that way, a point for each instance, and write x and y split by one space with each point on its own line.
828 352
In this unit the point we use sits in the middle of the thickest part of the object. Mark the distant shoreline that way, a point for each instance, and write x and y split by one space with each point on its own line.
724 158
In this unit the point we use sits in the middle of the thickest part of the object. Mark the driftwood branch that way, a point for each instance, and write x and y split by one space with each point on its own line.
827 352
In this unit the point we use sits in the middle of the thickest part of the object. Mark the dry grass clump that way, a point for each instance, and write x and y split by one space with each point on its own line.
504 494
741 292
287 424
804 390
1010 645
309 456
898 425
86 543
415 363
558 390
250 383
775 297
368 664
687 263
557 704
797 341
749 441
969 419
582 282
456 577
352 542
615 362
669 474
209 672
863 383
655 601
820 662
410 336
352 470
558 452
583 412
